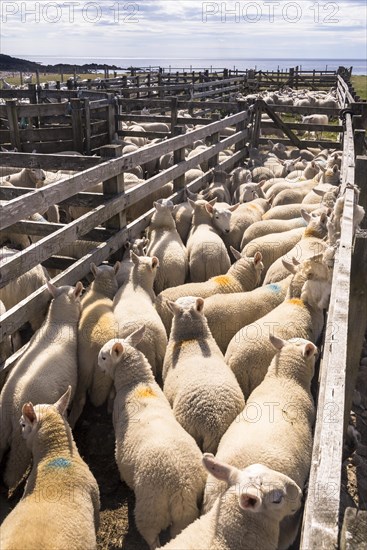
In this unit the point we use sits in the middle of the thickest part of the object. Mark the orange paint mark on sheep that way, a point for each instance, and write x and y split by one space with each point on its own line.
222 280
296 302
145 392
181 343
309 232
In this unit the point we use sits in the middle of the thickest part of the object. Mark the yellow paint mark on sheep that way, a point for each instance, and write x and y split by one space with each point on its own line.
309 232
145 392
181 343
296 302
222 280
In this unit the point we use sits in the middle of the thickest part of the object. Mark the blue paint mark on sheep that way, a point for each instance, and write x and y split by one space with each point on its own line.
59 463
274 288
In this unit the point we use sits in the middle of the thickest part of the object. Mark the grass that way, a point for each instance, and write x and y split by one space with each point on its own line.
15 80
360 85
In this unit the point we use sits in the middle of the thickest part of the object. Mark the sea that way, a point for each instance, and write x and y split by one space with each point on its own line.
172 64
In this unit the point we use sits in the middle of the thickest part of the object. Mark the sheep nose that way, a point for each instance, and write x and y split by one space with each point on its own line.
227 230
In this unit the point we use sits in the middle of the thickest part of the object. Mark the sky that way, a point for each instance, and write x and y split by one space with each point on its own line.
184 29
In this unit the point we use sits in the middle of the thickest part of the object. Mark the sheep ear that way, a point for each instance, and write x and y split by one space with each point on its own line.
220 470
173 307
237 255
234 207
261 183
190 195
28 413
78 289
117 350
257 258
63 403
335 168
190 201
309 350
209 208
134 258
213 201
53 290
116 267
199 304
305 215
135 337
278 343
290 267
319 192
155 262
249 501
295 261
322 169
94 269
323 217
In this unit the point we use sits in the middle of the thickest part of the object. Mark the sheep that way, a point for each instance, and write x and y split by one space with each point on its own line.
247 192
327 191
20 288
219 188
165 243
192 175
201 389
27 177
97 325
289 211
281 436
148 442
247 514
249 352
238 177
310 244
294 195
226 315
330 175
245 215
133 304
139 247
243 275
261 228
42 374
273 246
182 214
207 253
155 127
69 521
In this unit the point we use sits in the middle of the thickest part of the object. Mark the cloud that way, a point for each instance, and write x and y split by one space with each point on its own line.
184 28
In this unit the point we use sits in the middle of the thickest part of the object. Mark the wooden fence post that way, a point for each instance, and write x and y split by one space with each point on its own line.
240 127
215 138
112 127
77 124
256 128
114 186
87 126
174 103
179 156
11 110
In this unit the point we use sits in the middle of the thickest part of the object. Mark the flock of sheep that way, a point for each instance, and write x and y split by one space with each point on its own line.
201 341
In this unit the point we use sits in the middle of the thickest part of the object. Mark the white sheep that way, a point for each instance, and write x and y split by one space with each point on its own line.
265 227
249 352
42 374
97 325
61 495
227 314
165 243
133 306
139 247
245 215
149 441
200 387
281 435
27 177
243 275
289 211
247 514
207 252
23 286
312 243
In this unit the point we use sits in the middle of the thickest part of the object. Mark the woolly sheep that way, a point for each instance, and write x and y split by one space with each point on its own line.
310 244
281 436
148 441
261 228
289 211
202 390
27 177
70 520
245 215
165 243
139 247
273 246
294 195
133 305
227 314
248 513
207 253
23 286
247 192
243 275
97 325
42 374
250 352
5 345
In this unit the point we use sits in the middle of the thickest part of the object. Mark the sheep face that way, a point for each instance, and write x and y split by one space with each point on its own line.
111 353
221 217
36 175
258 488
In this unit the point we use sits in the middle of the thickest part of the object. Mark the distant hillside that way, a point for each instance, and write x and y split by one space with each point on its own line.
8 63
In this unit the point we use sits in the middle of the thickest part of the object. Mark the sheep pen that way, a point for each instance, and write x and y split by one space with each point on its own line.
106 201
